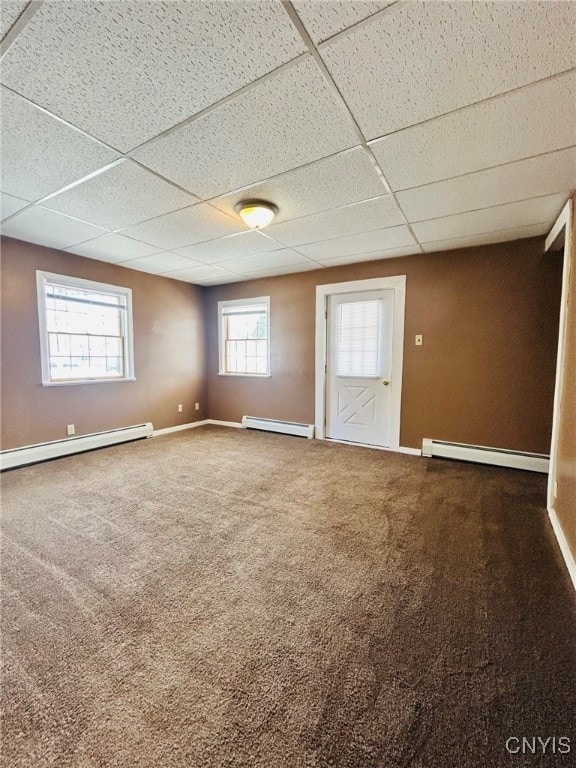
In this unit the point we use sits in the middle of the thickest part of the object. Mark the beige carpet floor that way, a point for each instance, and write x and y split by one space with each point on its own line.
221 599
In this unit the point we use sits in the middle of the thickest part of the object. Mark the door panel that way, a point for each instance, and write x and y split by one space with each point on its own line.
358 400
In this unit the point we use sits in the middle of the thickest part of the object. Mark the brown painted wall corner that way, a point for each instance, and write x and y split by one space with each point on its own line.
168 341
484 375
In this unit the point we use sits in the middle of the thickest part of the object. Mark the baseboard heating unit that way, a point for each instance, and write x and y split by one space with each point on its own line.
534 462
31 454
273 425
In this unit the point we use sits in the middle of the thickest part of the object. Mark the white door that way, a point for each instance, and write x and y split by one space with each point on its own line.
358 368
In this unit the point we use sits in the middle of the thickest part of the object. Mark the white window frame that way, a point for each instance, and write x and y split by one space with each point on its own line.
221 346
42 278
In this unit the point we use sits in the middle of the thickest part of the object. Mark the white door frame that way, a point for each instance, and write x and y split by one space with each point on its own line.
562 228
396 283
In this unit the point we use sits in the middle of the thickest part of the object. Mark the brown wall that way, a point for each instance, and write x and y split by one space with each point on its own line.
168 341
484 375
565 503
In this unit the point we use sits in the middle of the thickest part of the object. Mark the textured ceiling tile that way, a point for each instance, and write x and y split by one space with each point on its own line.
129 70
533 177
378 213
422 59
324 18
334 181
531 121
113 248
390 253
540 210
10 204
121 196
303 266
185 227
160 262
501 236
366 242
40 154
288 120
10 10
222 280
44 227
233 246
273 260
200 273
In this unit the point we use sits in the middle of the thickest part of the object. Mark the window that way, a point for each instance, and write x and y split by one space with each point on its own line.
244 337
85 330
359 329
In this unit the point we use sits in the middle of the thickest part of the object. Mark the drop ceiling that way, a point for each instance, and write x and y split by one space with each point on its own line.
130 129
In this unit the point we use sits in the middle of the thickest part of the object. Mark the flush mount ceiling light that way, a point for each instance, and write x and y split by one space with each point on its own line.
256 213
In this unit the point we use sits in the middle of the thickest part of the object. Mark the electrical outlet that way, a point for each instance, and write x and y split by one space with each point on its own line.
70 429
197 406
418 340
180 407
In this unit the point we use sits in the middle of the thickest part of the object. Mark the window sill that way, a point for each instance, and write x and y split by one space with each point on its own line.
246 375
86 381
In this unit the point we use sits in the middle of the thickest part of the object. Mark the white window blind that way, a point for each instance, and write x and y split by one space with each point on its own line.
358 334
244 338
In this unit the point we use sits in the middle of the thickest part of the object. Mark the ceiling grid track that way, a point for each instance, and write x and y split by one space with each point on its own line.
332 85
426 202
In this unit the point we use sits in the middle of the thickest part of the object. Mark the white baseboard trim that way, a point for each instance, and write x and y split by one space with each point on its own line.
563 544
401 449
194 424
179 428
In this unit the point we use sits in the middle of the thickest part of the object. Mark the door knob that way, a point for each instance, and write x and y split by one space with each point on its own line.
385 382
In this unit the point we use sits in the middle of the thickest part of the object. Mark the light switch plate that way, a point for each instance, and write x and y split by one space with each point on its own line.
418 340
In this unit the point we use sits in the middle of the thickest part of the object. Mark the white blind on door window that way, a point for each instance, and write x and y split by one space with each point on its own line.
358 338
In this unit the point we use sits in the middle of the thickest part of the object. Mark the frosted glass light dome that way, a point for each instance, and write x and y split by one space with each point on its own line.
257 214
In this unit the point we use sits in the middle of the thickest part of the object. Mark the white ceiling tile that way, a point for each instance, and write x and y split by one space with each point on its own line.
10 204
540 210
391 253
306 266
534 120
487 238
129 70
272 260
423 59
40 154
324 18
123 195
533 177
338 180
113 248
281 123
44 227
225 248
365 242
160 263
222 280
10 10
378 213
185 227
196 274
